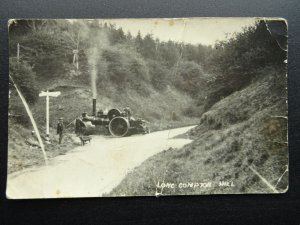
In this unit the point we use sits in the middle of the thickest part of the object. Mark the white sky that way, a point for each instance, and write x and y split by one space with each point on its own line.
189 30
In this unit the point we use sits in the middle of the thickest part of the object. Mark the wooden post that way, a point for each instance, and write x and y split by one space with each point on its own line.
75 58
77 63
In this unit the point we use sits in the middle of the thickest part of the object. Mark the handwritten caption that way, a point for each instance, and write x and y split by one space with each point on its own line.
194 185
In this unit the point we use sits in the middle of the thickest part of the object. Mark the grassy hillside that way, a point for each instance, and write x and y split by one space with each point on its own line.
247 128
162 111
22 156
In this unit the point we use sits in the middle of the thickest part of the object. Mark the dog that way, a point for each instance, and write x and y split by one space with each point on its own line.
85 139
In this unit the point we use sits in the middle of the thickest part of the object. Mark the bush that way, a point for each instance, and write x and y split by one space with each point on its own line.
159 75
193 111
126 68
189 77
241 59
25 79
47 51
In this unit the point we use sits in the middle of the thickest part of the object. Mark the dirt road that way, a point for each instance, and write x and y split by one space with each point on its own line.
93 169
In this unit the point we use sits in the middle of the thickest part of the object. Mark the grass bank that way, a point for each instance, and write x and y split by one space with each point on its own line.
246 129
22 155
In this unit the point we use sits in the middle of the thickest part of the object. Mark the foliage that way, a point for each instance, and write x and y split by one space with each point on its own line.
160 76
239 60
189 77
169 53
25 79
121 59
124 62
124 66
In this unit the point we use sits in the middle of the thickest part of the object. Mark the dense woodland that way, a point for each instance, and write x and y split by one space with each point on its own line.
122 61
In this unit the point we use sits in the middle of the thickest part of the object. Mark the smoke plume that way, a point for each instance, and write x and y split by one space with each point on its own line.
98 42
93 58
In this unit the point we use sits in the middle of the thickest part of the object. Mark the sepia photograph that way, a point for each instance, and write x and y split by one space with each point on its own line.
147 107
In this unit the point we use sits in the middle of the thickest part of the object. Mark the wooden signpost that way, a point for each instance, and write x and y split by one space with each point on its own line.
48 94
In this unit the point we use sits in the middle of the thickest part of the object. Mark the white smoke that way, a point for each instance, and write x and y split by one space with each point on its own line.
99 41
93 57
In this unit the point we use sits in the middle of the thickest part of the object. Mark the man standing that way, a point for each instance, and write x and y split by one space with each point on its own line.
127 112
60 129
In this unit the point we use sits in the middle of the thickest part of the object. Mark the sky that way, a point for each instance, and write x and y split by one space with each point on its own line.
206 31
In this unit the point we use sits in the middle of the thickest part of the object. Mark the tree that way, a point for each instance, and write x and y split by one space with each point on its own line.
125 67
189 78
24 78
242 56
148 47
117 36
169 53
241 59
158 74
139 42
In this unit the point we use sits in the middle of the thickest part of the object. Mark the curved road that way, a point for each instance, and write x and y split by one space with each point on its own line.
93 169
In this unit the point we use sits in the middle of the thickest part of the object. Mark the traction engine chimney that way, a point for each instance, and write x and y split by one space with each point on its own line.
94 107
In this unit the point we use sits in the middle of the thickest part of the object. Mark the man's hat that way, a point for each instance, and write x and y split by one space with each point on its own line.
61 118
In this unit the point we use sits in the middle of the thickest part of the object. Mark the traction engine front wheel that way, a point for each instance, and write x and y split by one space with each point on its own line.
119 126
